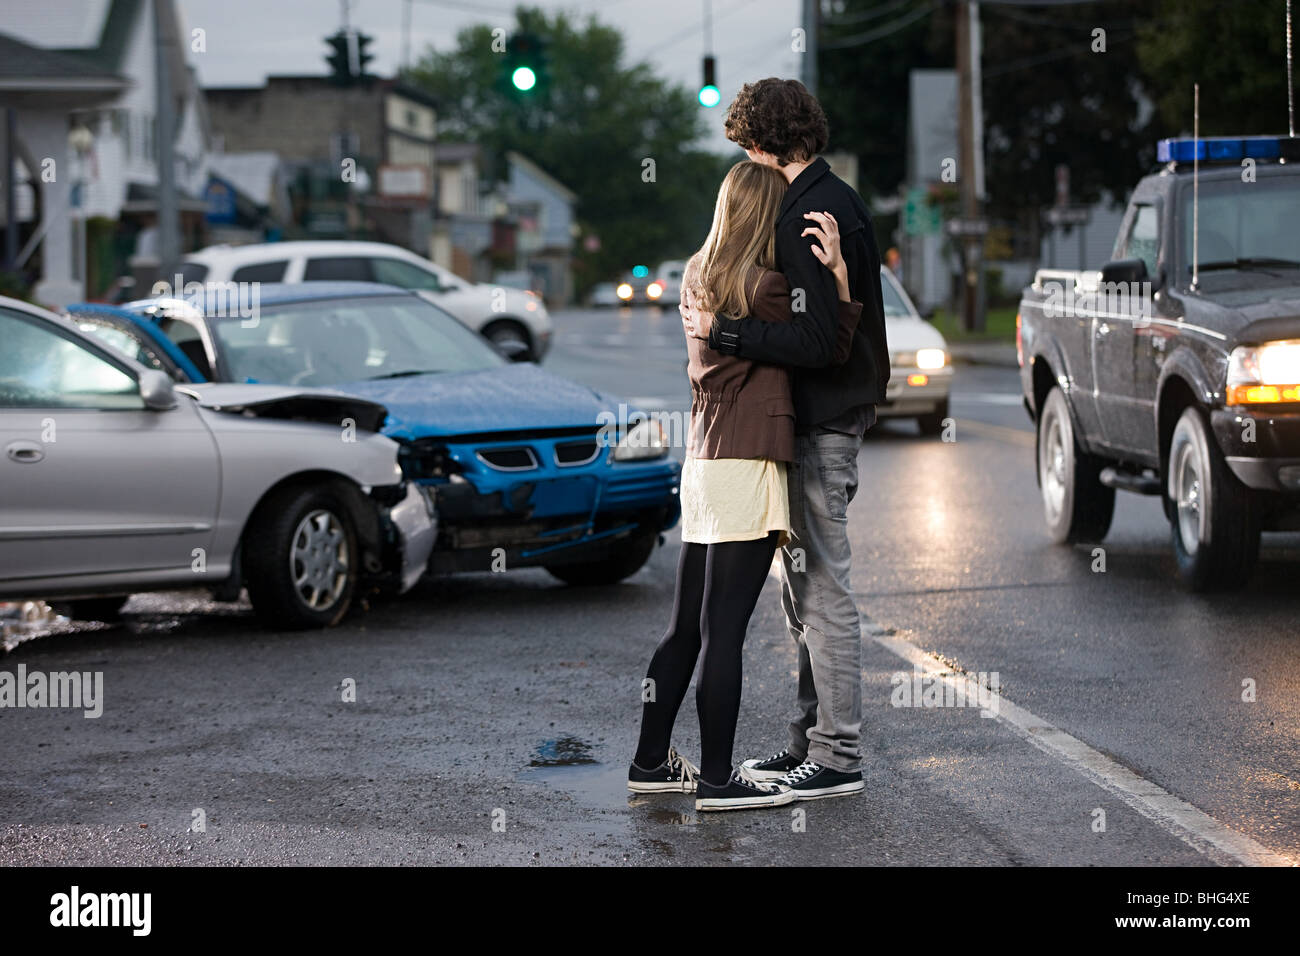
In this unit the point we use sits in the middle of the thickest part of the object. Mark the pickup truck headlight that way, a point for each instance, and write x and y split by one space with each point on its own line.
644 440
1267 374
930 359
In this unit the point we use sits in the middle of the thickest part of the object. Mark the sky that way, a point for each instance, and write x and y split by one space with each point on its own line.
247 39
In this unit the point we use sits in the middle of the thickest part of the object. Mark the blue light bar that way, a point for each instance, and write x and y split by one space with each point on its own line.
1227 149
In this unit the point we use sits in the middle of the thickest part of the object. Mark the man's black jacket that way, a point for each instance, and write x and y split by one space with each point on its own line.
807 343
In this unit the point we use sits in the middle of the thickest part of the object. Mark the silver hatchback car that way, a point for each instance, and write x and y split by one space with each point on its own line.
114 481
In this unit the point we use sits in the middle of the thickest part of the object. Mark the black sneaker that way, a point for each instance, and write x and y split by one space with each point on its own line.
675 775
810 781
741 793
773 768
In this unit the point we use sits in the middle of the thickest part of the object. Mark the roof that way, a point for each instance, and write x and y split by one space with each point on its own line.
522 161
261 250
251 173
26 69
281 293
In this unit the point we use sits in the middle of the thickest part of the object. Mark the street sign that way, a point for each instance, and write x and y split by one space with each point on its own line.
1068 215
967 227
919 217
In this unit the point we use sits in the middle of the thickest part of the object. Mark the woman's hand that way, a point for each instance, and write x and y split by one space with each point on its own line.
827 233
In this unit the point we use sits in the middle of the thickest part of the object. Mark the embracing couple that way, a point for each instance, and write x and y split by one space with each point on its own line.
787 360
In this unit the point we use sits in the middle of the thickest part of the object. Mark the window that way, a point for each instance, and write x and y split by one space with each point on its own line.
1143 241
338 269
405 275
191 272
42 368
337 341
261 272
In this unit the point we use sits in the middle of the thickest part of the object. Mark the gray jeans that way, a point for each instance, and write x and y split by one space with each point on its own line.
818 600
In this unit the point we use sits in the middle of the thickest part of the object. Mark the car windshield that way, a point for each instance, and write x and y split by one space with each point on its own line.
1245 226
895 308
333 341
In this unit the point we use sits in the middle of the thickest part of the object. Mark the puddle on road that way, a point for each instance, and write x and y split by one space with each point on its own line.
563 752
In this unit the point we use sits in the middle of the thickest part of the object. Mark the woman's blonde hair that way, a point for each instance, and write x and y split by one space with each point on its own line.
743 236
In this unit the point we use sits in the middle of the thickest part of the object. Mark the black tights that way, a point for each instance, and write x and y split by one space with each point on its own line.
717 588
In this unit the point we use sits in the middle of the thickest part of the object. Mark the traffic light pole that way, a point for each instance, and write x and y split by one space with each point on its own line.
811 29
967 29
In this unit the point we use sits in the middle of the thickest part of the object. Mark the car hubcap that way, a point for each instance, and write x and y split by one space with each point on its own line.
1052 469
1187 495
318 560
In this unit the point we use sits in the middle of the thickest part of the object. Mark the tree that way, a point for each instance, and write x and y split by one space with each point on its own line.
1235 51
617 135
1051 96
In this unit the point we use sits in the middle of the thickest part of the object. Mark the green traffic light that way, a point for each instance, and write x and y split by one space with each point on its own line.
524 78
709 96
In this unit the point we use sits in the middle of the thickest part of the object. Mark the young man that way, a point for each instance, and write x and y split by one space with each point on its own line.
779 123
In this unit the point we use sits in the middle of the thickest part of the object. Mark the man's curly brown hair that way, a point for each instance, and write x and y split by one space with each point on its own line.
779 117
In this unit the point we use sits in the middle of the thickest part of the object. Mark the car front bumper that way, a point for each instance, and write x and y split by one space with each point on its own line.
1262 448
903 399
414 522
487 518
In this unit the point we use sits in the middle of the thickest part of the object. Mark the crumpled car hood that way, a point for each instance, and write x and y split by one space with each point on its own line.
289 403
509 398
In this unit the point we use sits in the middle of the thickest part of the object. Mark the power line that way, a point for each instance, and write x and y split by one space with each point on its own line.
894 26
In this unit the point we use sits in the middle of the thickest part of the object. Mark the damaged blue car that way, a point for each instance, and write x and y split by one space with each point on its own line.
528 469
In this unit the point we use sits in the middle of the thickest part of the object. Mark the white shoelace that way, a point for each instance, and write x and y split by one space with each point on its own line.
801 773
687 771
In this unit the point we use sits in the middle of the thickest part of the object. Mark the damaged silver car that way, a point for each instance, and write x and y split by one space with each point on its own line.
116 481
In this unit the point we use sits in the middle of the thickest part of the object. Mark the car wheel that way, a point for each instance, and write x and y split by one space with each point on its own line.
300 558
626 560
105 609
932 424
510 336
1215 520
1077 506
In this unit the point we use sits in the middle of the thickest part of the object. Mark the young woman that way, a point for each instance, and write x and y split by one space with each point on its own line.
735 512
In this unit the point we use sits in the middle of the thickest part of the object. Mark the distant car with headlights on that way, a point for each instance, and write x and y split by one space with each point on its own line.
920 377
641 290
527 469
116 480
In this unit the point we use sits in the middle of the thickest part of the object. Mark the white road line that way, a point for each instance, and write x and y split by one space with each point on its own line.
988 398
1194 827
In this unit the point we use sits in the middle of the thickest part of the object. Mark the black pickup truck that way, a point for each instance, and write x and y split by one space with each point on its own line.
1155 378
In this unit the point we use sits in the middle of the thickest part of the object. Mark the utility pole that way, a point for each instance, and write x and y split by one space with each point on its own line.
969 129
811 29
10 259
169 235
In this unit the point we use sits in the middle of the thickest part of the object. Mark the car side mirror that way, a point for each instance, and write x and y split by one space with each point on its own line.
156 391
1124 270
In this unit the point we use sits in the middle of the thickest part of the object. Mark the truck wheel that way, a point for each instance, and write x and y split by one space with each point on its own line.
1077 506
300 559
932 424
626 560
1215 521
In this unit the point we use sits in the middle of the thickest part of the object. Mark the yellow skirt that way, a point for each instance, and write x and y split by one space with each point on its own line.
733 499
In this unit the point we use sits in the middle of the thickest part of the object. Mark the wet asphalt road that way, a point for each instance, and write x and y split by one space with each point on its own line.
512 699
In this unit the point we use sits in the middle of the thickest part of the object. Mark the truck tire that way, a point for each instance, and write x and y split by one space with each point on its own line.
1077 506
626 560
1214 518
300 558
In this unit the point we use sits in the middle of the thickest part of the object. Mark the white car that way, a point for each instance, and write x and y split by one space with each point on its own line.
669 276
920 375
513 319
